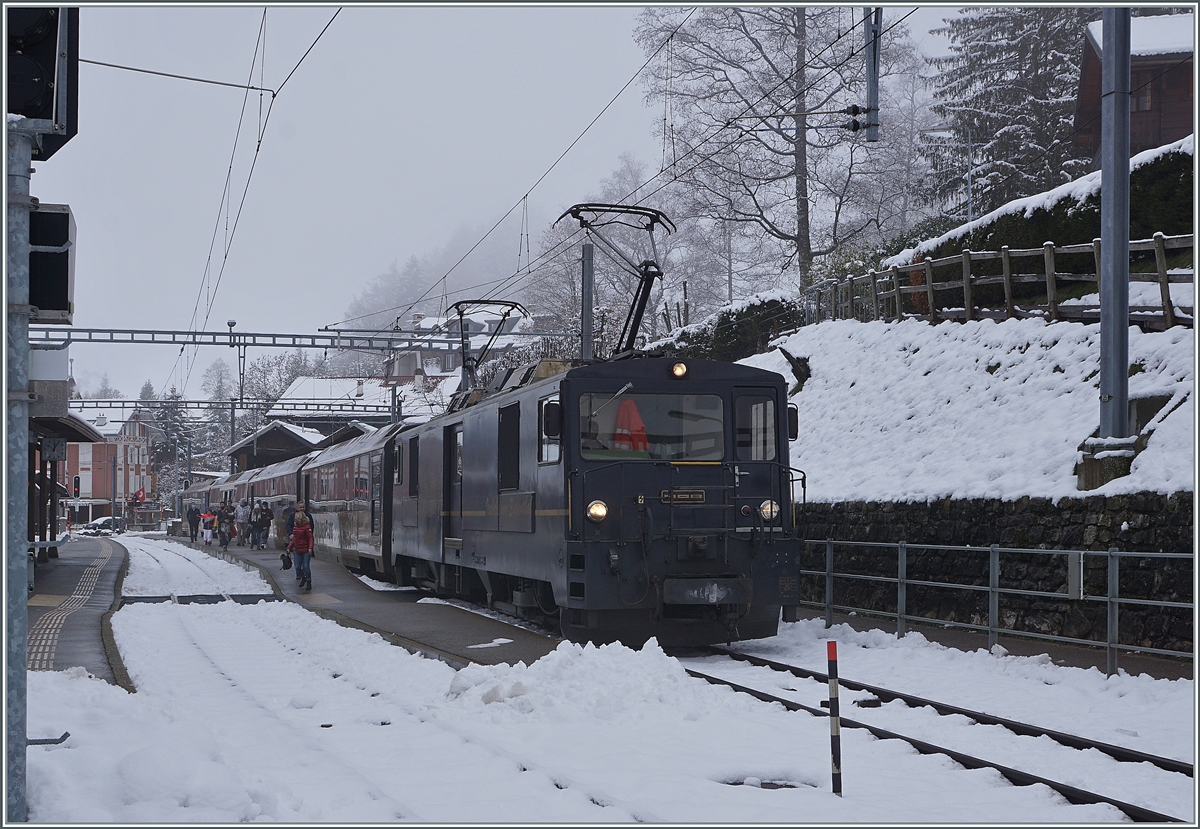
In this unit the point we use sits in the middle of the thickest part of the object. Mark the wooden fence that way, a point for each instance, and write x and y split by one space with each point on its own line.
912 290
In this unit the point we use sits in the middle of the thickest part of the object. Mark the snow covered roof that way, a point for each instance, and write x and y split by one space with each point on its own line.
337 390
111 421
1079 189
309 436
1165 34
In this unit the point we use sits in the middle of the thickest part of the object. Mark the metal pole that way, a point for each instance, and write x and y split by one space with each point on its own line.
835 718
20 151
232 438
1114 226
828 583
587 345
901 588
872 24
993 594
1112 635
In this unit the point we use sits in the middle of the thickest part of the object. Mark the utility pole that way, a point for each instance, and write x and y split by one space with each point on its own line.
1114 225
587 347
20 154
232 434
872 27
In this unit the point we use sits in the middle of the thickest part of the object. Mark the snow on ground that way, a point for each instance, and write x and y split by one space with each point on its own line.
270 713
912 412
1148 294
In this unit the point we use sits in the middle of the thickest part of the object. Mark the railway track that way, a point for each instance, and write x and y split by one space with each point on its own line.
1072 794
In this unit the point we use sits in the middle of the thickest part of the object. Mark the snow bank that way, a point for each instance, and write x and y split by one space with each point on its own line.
912 412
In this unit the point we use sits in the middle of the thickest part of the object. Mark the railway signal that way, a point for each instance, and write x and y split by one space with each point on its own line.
43 73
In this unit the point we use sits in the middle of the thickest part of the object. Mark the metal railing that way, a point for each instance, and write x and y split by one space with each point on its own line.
1076 569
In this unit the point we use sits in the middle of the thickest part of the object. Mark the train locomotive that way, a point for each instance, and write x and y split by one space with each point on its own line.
642 496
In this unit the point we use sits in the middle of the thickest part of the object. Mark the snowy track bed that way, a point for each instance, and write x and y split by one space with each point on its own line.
268 712
1134 781
161 568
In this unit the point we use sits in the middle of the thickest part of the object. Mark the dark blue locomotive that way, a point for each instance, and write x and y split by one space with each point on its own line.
645 496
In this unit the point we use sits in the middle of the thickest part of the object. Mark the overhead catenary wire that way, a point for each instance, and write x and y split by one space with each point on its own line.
534 186
259 44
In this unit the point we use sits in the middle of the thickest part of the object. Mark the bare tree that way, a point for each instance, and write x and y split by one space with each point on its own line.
751 97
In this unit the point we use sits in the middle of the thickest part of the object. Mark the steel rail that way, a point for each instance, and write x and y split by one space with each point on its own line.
1015 776
1124 755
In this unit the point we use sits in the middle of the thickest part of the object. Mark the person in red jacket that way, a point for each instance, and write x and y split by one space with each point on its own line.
301 541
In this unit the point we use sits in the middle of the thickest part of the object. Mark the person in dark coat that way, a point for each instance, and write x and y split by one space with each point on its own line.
193 519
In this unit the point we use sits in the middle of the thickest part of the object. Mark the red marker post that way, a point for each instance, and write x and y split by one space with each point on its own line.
835 720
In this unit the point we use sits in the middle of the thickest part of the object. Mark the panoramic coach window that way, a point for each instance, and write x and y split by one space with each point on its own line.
508 459
755 428
414 447
549 449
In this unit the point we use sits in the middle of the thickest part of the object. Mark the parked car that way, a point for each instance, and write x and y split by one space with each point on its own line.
107 524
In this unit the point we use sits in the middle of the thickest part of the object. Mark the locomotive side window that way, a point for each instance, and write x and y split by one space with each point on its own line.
508 460
651 427
398 463
414 463
549 448
755 428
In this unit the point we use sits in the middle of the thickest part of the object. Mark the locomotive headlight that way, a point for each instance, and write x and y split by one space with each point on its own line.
769 510
679 369
597 511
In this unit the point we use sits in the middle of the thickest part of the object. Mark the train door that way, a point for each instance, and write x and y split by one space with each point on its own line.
376 493
453 444
756 446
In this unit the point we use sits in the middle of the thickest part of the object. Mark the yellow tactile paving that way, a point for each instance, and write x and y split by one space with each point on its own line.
43 636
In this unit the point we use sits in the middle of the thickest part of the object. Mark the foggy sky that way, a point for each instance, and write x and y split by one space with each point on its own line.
401 125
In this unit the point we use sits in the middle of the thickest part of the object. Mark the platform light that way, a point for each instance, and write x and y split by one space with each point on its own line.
679 369
597 511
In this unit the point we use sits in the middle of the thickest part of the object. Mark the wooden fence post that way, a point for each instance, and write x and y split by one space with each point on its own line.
874 293
896 290
929 290
1010 310
1051 284
1164 284
968 306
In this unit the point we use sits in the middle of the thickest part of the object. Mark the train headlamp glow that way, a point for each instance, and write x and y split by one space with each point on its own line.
769 510
679 369
597 511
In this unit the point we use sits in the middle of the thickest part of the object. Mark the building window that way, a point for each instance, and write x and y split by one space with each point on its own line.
1140 85
508 459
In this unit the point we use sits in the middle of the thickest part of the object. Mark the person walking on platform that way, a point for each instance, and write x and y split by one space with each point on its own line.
208 520
300 538
224 526
262 523
241 517
193 519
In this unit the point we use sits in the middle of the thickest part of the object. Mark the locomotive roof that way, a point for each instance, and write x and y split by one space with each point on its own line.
656 369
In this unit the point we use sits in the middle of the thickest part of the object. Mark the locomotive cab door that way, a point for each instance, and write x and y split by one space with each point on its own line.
756 451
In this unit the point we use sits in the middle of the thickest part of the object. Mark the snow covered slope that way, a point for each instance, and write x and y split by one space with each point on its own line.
912 412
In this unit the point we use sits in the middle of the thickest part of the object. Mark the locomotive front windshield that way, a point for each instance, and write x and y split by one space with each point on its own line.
651 427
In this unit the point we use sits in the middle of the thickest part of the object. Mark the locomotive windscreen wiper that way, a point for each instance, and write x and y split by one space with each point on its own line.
622 390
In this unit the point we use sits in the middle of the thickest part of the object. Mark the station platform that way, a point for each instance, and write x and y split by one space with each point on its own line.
75 593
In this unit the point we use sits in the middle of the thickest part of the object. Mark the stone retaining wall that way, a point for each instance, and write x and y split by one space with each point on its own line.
1145 522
